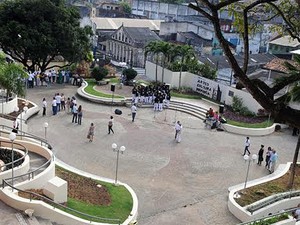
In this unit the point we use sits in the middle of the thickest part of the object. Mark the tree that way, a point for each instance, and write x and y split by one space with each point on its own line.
185 52
153 47
126 7
12 78
99 73
34 32
243 12
166 49
129 74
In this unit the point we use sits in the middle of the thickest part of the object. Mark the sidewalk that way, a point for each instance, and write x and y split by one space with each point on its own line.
176 184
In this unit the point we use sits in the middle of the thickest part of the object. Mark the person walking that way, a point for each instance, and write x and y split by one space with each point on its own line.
273 161
133 111
79 114
268 155
75 113
247 145
58 101
260 155
54 106
68 104
63 102
44 106
91 132
178 129
110 125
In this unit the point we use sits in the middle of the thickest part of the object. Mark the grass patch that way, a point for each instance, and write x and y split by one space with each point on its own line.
114 80
183 95
90 90
250 125
119 207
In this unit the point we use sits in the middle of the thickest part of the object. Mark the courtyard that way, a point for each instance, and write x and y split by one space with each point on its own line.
176 183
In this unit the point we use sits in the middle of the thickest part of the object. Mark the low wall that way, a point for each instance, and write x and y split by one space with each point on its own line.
19 170
8 107
42 178
242 214
251 131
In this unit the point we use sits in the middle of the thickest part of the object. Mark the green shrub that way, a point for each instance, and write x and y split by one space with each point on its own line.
98 73
238 106
129 73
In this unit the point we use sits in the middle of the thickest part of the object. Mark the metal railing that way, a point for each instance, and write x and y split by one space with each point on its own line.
15 144
7 130
60 206
272 199
30 175
260 220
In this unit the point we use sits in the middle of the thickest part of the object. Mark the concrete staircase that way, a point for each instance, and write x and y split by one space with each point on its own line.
25 220
185 107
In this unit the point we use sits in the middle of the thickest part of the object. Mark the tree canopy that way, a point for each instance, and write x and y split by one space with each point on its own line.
12 77
248 13
34 32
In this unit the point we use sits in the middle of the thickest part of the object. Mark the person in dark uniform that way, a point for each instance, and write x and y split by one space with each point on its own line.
260 155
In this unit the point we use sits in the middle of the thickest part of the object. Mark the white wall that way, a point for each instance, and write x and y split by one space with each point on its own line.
8 107
203 85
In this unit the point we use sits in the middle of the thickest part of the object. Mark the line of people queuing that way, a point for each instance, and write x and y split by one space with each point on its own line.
49 77
158 95
271 156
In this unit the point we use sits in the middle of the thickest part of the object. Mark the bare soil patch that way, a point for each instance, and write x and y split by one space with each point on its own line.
79 188
258 192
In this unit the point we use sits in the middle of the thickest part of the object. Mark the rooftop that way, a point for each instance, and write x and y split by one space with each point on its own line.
286 41
115 23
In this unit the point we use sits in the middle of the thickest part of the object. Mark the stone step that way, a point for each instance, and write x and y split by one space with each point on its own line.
21 219
198 115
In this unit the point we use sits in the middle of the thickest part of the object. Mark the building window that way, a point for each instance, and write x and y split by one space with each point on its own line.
230 93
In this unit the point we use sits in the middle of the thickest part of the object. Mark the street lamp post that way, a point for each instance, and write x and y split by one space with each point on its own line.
12 137
24 110
46 126
248 159
121 149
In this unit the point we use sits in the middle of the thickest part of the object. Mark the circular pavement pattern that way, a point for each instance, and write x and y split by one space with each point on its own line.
176 183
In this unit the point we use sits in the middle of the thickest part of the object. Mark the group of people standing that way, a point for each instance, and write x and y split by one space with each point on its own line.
271 156
38 78
159 95
60 103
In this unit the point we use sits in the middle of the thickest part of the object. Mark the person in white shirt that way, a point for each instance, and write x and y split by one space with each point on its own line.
44 106
58 101
75 113
54 106
133 111
178 129
247 145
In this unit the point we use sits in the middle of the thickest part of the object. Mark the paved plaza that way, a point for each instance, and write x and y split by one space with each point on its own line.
176 183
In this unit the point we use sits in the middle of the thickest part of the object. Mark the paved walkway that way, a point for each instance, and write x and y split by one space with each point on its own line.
176 184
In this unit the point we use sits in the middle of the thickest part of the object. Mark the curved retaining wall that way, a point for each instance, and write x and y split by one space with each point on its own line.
92 98
242 214
8 107
251 131
19 170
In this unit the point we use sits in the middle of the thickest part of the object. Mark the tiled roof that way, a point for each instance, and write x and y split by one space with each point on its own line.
141 35
196 39
286 41
277 64
221 62
115 23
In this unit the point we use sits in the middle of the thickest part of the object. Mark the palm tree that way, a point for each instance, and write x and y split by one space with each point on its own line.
165 48
153 47
186 53
12 78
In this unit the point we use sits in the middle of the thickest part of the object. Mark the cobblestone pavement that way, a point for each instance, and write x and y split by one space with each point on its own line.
176 183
